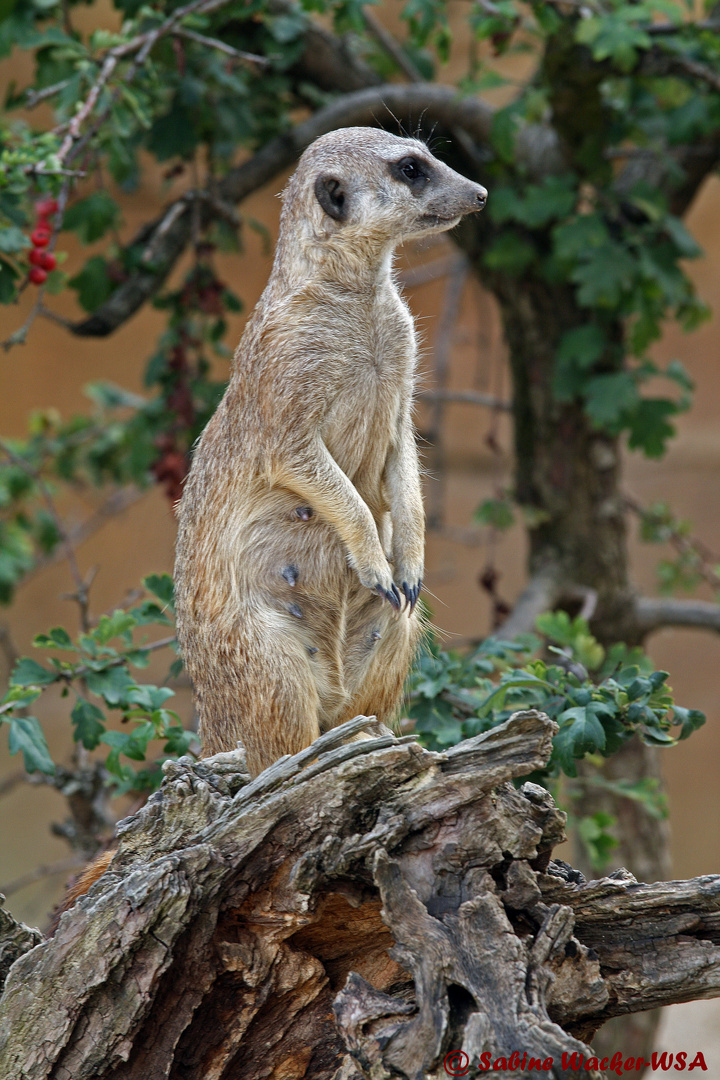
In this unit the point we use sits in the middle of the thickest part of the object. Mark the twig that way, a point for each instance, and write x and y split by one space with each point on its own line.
654 613
458 535
215 43
391 46
684 545
676 62
11 781
465 397
660 29
540 595
48 313
62 866
18 337
34 97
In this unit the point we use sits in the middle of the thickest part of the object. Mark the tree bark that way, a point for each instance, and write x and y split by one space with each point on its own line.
361 909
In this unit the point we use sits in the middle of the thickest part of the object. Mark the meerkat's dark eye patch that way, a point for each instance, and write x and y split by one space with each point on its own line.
330 193
411 171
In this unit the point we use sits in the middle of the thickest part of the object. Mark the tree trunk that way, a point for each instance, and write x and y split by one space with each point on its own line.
361 909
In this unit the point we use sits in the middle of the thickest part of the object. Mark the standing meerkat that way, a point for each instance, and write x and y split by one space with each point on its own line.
301 539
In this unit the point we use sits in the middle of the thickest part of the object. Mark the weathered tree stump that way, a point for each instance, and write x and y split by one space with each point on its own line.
361 909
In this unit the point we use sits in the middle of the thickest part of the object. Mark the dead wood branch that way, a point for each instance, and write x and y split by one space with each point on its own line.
361 909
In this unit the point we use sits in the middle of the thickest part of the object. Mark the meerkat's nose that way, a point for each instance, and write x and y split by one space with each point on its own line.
481 197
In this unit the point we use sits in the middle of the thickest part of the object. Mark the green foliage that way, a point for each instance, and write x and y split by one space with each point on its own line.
692 562
599 698
98 665
497 513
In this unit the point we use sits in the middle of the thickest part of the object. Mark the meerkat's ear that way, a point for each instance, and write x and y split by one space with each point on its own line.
330 193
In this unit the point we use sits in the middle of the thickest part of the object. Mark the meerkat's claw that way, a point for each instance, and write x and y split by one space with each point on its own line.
411 595
391 595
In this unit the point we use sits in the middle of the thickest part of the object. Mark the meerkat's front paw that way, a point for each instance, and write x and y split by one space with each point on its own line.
409 580
381 582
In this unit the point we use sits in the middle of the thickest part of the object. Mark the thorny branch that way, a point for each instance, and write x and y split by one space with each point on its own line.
141 45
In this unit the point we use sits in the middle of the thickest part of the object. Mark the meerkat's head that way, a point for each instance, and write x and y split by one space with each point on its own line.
371 189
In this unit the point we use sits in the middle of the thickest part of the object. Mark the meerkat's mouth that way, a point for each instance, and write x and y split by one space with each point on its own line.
433 220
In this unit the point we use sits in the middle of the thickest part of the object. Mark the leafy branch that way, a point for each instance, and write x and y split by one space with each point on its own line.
599 698
100 668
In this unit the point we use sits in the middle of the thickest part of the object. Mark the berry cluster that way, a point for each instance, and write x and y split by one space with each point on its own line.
42 261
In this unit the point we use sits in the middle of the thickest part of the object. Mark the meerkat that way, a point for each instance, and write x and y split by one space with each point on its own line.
301 527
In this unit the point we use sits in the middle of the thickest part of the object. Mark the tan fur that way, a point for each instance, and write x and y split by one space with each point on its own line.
318 415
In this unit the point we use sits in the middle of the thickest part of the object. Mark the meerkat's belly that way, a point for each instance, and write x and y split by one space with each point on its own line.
293 569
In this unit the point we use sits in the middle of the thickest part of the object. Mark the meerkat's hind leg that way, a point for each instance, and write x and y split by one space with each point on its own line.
262 692
380 648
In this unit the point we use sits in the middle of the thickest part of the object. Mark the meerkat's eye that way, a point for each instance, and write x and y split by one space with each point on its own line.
410 169
413 172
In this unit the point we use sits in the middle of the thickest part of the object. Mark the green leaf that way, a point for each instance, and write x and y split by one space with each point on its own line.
173 135
8 276
162 586
57 638
609 397
12 239
27 735
92 216
510 252
149 697
93 283
115 625
599 843
649 426
89 723
542 203
21 696
495 512
689 719
179 741
604 275
579 349
686 244
112 684
29 673
580 733
613 36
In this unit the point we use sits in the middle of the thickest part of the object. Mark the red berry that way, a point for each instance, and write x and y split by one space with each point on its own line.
36 257
40 237
46 207
49 262
38 275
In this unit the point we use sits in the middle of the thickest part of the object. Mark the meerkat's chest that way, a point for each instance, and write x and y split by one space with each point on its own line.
374 378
